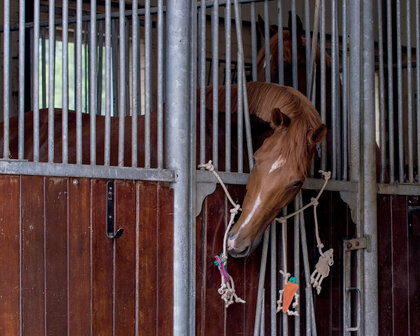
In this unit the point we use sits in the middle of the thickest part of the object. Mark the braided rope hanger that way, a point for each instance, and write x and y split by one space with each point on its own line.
227 287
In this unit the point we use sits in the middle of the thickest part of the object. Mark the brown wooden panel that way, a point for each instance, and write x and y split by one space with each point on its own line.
33 259
103 260
125 258
147 222
215 226
165 260
79 254
414 266
9 258
200 272
56 255
235 315
400 265
384 264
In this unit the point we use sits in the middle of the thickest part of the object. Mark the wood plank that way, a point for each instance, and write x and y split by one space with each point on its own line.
200 272
384 264
56 255
10 258
79 254
125 258
414 267
165 260
235 314
33 281
102 263
400 265
215 226
147 282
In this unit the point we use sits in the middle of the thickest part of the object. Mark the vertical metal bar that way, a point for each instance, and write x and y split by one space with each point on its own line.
273 279
160 84
400 96
100 68
121 89
294 46
309 302
253 42
418 83
370 300
228 122
79 79
285 319
240 117
92 82
334 106
215 75
409 97
108 88
296 264
6 79
355 91
178 156
127 66
381 93
280 35
44 67
323 84
135 88
261 282
36 81
202 81
267 43
345 90
115 77
193 167
51 75
65 82
148 82
308 47
391 91
21 126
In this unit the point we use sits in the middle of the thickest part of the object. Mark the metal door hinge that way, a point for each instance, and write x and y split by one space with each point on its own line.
110 216
356 244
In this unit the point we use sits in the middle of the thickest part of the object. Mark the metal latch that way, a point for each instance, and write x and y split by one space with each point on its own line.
110 217
356 244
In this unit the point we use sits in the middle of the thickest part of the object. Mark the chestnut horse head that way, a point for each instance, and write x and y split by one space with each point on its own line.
281 163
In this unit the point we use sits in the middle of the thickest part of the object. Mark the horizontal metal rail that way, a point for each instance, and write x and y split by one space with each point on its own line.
11 167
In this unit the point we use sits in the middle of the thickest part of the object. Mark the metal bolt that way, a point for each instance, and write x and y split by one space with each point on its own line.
349 245
357 243
75 182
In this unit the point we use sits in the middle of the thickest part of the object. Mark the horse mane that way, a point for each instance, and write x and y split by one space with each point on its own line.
263 97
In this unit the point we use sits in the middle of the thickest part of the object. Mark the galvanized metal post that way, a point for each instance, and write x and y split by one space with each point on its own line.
177 155
369 220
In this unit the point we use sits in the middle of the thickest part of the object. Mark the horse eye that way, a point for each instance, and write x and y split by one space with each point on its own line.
296 184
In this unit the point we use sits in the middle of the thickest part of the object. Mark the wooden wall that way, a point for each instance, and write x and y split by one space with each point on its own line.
61 275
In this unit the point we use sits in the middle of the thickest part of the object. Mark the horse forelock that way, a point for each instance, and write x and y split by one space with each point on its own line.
294 147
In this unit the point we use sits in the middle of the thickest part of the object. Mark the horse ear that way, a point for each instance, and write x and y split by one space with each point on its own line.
317 136
279 119
261 28
299 25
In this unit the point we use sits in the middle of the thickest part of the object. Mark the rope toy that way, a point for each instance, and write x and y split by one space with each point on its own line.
227 286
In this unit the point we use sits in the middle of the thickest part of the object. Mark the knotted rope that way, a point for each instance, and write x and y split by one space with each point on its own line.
227 286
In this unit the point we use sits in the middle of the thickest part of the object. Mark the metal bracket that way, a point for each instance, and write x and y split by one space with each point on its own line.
203 190
356 244
350 198
110 216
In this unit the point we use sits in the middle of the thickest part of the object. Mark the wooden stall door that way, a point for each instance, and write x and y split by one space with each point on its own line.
61 275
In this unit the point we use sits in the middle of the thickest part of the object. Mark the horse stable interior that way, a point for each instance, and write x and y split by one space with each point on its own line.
107 108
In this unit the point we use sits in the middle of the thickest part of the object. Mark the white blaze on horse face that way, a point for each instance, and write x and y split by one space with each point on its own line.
265 62
280 162
254 208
